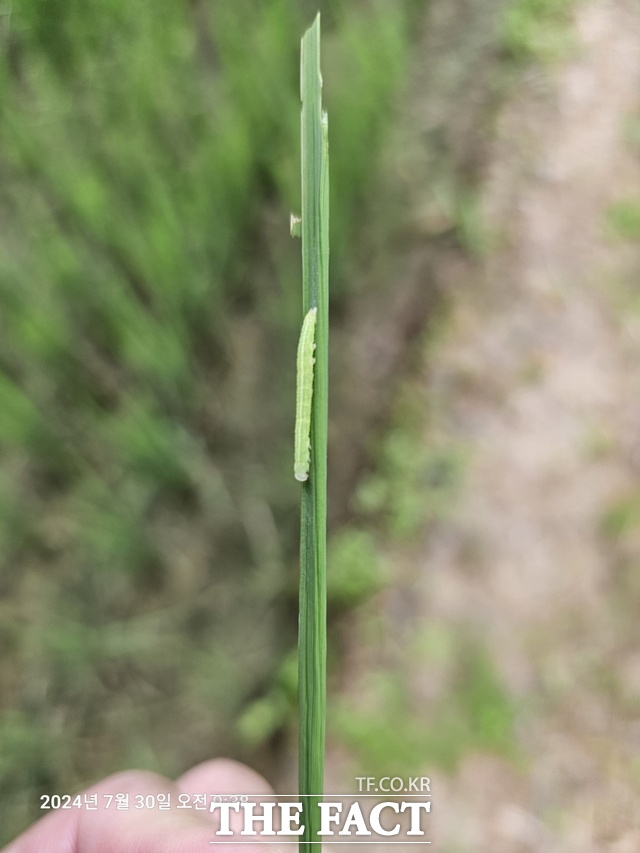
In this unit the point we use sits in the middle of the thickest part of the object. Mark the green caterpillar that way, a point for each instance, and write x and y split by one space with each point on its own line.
304 396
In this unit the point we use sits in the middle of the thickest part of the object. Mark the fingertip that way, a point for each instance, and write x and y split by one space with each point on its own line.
223 776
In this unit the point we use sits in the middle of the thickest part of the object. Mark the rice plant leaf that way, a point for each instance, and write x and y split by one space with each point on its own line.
312 644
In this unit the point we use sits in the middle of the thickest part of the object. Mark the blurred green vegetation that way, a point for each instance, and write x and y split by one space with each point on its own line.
537 29
472 712
623 219
418 474
622 517
150 306
389 723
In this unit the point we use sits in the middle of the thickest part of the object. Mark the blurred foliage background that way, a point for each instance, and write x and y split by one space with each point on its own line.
150 307
149 315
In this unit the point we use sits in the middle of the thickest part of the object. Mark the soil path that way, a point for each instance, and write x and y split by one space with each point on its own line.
538 376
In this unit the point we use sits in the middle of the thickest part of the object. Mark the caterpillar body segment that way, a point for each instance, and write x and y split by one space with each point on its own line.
304 396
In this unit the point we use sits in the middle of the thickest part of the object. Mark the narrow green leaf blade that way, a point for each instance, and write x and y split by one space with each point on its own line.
312 645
